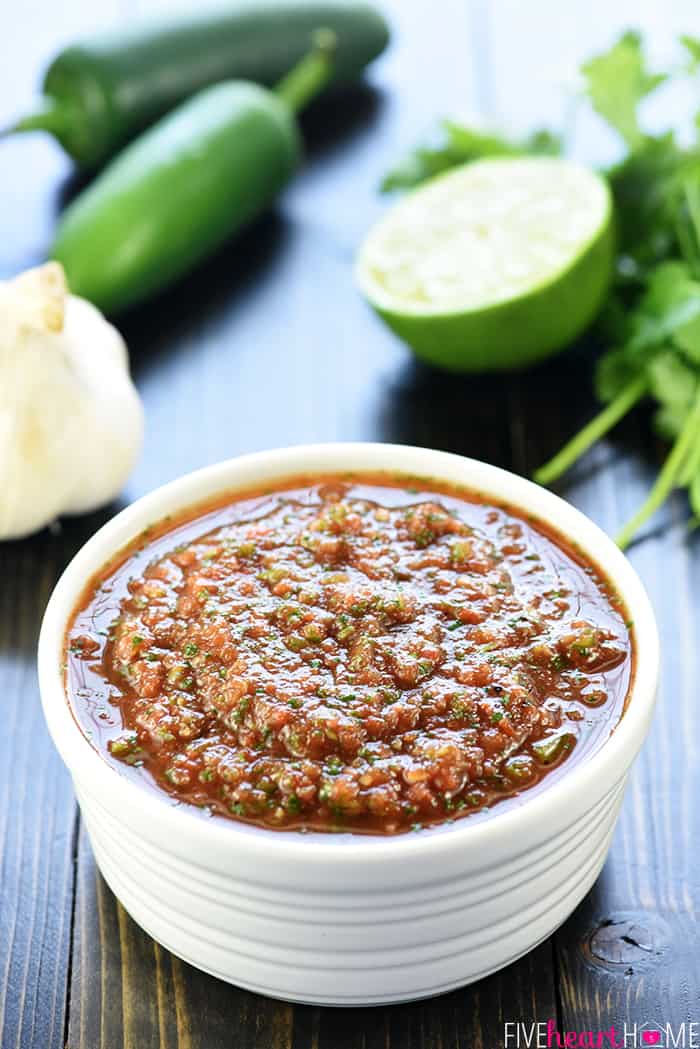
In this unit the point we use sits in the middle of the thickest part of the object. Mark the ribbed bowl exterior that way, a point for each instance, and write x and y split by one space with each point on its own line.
415 932
348 919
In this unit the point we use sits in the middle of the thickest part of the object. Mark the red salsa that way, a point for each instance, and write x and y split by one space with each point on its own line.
364 654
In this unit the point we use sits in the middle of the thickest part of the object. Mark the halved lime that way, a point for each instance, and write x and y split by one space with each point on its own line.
493 265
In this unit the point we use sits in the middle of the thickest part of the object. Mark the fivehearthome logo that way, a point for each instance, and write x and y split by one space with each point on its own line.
648 1035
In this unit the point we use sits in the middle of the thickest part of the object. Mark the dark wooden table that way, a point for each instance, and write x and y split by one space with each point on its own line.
270 345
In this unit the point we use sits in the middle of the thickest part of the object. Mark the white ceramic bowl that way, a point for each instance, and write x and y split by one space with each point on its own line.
350 920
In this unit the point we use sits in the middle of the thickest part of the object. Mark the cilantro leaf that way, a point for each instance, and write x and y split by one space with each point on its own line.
614 371
644 188
457 144
671 302
669 309
692 46
617 81
669 305
674 385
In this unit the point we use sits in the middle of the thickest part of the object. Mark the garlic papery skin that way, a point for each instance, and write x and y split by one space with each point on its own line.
71 421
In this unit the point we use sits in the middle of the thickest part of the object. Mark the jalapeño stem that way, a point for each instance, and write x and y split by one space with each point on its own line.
311 74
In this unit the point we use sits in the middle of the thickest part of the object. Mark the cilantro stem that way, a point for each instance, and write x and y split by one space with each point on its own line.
694 494
691 467
688 233
596 428
668 477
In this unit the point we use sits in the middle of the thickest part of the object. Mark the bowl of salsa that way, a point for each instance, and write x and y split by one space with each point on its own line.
351 723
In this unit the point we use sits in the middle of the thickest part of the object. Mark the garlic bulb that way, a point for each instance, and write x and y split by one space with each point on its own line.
71 422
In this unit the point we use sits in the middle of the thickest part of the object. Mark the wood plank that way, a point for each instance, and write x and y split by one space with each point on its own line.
629 953
535 50
36 174
38 815
129 993
37 820
471 1018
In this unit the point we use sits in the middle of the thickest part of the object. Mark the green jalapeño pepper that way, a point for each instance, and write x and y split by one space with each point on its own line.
101 93
186 185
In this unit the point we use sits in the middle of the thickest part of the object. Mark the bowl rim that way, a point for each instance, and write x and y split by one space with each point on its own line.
608 764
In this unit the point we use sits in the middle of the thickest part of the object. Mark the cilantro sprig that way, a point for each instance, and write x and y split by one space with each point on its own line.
455 144
651 321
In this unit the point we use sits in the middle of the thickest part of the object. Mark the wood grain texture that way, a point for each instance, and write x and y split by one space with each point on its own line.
37 818
630 952
269 344
38 814
128 993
